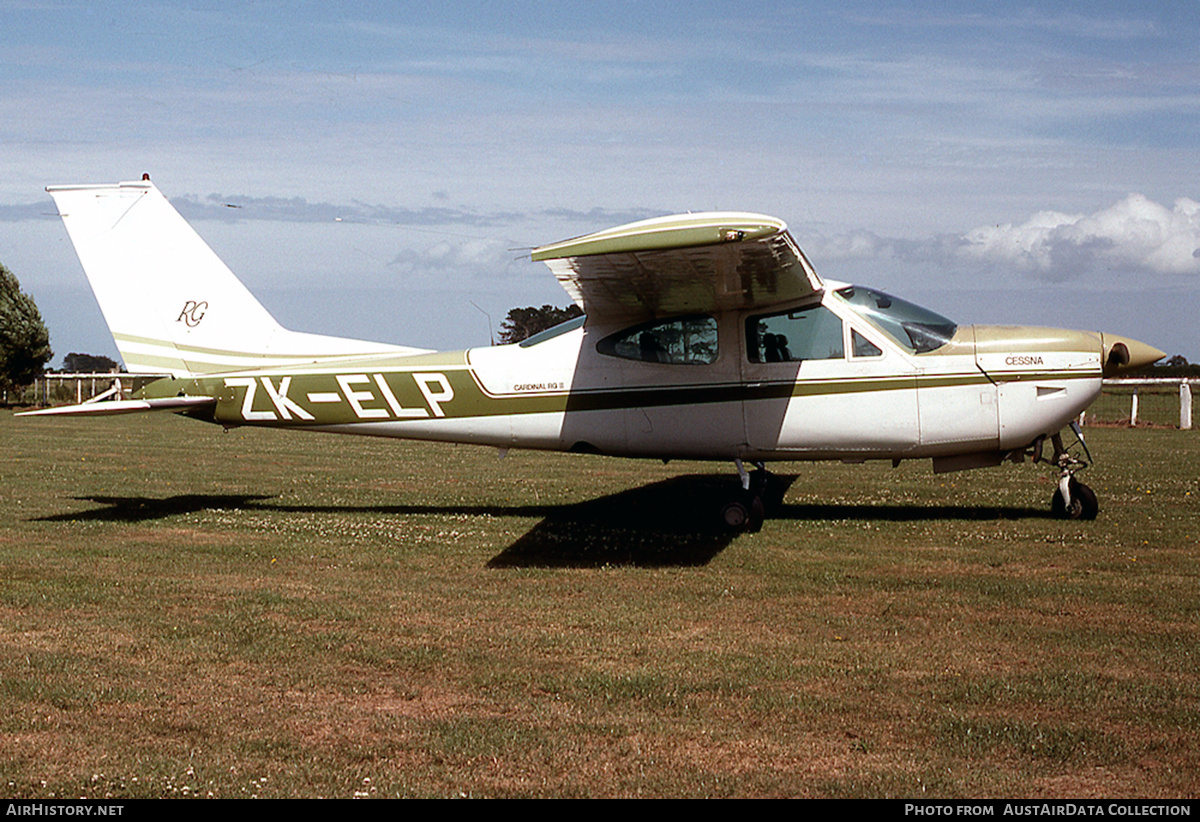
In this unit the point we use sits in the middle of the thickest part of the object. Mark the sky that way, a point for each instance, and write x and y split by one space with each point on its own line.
381 170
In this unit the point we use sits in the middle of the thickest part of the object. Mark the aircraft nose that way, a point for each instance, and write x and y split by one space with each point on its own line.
1121 354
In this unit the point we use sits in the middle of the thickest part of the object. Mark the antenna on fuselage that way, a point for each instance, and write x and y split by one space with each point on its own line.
491 336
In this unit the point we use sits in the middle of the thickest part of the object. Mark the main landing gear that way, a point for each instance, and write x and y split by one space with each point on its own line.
747 509
1072 499
761 491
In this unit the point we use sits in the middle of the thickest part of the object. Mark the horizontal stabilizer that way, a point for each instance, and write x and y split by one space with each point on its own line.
113 407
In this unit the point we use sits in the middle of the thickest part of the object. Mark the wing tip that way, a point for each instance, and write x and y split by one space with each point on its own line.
143 184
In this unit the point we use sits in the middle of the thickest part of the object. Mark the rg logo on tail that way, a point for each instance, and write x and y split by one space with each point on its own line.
193 313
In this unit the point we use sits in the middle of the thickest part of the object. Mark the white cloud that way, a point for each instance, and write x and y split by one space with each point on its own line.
455 257
1135 235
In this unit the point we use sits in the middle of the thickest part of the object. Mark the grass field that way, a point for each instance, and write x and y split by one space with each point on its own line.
185 612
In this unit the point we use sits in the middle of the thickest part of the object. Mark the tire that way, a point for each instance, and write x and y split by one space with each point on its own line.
743 514
1083 503
757 514
735 515
769 489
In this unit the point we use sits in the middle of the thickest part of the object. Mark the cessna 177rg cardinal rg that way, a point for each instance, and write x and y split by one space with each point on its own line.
706 336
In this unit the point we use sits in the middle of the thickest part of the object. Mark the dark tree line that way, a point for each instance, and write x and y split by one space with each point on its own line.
1176 366
75 363
523 323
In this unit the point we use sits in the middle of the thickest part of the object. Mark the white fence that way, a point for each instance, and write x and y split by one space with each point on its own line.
62 389
1134 392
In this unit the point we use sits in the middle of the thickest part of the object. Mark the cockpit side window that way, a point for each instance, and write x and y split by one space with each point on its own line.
811 333
863 347
678 341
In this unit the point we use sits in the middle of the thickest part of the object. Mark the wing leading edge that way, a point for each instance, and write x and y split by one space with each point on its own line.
688 263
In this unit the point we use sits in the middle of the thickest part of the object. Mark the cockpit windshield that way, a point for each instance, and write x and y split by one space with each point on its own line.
912 327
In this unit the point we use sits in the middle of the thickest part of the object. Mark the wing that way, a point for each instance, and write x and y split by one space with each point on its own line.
689 263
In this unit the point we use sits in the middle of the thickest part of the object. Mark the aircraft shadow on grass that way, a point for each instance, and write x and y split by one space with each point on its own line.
671 523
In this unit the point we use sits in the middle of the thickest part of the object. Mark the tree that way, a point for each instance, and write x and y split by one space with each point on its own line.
523 323
88 364
24 340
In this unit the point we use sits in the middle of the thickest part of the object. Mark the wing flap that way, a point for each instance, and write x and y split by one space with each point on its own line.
692 263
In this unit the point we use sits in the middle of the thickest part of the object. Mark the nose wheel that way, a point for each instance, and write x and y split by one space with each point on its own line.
1072 499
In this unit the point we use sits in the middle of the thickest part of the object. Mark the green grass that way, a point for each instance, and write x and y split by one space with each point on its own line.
188 612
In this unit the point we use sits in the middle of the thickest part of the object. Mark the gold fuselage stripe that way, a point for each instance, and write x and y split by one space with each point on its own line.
404 390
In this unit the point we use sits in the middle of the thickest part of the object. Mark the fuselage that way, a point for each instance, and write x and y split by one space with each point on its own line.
850 374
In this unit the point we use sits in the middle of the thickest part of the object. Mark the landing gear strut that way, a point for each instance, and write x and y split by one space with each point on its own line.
1073 499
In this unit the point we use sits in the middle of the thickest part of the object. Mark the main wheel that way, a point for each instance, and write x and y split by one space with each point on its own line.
1083 503
744 513
768 488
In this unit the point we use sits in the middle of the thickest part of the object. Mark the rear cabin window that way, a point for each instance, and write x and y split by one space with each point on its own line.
678 341
812 333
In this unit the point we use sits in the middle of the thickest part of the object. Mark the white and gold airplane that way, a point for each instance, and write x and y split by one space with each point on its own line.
705 336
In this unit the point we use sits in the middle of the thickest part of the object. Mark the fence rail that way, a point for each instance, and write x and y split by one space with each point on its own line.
1148 400
62 389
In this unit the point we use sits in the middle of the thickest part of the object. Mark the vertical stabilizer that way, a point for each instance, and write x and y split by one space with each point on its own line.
170 303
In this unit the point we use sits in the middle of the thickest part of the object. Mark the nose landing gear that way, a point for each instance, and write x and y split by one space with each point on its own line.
1072 499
